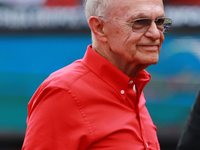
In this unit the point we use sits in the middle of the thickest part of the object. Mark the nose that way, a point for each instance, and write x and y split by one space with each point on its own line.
153 32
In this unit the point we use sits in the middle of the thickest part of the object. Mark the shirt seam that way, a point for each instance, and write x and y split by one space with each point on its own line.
78 103
80 108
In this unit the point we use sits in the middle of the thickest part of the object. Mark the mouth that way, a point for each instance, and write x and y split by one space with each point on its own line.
150 47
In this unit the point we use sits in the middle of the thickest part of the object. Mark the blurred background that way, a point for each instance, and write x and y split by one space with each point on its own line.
38 37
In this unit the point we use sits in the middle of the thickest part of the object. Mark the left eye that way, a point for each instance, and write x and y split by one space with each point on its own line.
160 21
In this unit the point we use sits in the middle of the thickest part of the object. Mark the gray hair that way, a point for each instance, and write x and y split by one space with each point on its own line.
96 7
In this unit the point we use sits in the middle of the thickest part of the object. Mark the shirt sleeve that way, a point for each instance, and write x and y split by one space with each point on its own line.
56 123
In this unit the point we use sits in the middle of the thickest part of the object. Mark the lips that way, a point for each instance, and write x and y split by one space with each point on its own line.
150 47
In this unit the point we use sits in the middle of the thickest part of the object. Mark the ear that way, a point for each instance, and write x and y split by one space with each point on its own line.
97 27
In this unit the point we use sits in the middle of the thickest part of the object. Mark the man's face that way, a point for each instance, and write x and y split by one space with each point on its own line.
128 45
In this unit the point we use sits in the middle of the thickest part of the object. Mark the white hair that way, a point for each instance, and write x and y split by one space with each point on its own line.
96 7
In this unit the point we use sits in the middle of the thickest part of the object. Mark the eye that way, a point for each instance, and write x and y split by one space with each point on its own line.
140 23
160 21
143 21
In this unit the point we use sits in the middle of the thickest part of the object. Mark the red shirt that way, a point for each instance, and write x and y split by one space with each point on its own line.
90 105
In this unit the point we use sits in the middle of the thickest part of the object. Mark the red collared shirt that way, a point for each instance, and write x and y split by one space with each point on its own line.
90 105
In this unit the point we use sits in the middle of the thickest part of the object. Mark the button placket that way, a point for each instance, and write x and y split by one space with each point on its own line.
131 94
147 145
132 84
134 88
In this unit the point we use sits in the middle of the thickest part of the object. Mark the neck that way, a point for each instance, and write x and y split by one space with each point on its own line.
131 69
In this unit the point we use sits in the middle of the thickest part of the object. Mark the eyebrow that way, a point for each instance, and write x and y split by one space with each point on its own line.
143 15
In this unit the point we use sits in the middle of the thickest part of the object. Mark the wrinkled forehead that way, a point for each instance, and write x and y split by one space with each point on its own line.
138 8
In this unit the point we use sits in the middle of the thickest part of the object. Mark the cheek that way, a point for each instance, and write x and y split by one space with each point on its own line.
162 38
161 41
118 37
114 33
132 41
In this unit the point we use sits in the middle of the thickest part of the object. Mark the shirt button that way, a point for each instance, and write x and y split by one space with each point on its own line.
131 82
122 92
134 88
147 145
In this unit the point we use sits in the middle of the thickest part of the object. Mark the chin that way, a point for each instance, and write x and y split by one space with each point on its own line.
155 61
152 62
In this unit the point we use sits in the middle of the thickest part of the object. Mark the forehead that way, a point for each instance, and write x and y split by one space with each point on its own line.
138 8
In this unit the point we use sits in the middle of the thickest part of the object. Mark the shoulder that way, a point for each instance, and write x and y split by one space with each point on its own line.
60 85
65 81
65 77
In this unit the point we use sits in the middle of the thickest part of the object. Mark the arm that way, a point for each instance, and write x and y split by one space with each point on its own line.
55 123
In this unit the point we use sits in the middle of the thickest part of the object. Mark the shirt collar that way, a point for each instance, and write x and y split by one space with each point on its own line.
111 74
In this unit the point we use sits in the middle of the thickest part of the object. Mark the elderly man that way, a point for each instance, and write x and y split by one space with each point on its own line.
97 102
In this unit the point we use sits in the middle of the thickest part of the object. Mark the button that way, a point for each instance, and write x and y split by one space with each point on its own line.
134 88
131 82
122 92
147 145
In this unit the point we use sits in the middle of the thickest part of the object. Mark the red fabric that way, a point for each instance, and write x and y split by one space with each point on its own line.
89 105
62 2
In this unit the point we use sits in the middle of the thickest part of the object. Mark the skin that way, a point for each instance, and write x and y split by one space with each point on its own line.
129 51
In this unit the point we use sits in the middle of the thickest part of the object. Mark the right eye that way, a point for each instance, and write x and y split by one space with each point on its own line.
141 23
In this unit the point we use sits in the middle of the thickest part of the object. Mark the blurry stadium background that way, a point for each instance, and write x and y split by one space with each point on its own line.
38 37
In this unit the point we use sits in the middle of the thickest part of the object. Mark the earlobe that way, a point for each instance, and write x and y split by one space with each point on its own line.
97 27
